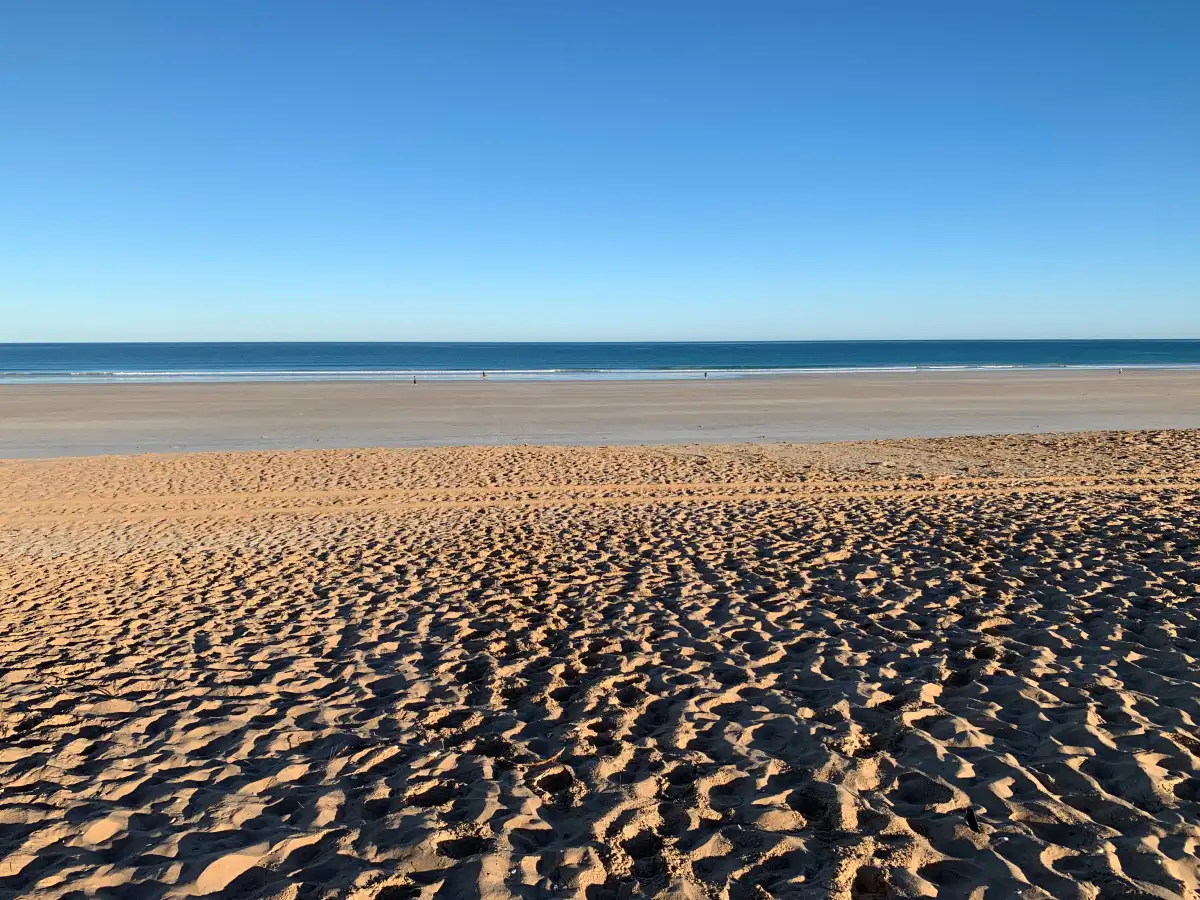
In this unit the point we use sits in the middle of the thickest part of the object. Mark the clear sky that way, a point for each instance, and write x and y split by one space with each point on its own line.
568 169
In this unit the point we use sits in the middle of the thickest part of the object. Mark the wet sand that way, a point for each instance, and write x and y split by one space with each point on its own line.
53 420
957 668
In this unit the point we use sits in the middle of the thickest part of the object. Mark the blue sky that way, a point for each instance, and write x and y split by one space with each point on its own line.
599 170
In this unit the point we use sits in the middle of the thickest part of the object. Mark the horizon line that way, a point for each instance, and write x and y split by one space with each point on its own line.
995 340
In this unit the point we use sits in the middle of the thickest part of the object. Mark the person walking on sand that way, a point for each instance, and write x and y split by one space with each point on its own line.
484 374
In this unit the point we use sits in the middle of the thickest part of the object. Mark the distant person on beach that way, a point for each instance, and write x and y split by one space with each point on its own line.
484 374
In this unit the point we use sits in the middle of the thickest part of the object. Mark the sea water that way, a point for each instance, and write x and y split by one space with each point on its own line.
201 362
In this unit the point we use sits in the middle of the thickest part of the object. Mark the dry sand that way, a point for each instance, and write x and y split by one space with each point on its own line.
960 668
72 420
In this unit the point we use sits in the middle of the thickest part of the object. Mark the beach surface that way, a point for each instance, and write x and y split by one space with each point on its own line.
76 420
958 668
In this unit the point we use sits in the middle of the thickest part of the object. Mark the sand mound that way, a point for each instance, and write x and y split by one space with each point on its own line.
962 668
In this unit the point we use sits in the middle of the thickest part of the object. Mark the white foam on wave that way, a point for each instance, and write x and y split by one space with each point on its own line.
461 375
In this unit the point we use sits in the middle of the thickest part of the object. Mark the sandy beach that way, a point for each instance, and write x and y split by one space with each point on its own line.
77 420
958 668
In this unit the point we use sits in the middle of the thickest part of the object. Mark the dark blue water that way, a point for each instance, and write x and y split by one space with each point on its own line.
545 361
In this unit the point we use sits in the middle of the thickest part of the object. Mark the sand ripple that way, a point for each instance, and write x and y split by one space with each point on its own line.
940 669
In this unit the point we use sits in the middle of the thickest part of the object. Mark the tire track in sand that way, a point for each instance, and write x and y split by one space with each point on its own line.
242 504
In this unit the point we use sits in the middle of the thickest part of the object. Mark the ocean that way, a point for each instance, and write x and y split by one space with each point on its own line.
205 362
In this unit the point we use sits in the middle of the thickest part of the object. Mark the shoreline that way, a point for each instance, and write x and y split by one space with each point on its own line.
49 420
545 376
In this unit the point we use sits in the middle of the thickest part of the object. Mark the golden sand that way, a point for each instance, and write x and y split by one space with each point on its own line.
961 668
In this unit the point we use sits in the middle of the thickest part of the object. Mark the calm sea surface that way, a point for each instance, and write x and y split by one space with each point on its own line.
29 363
